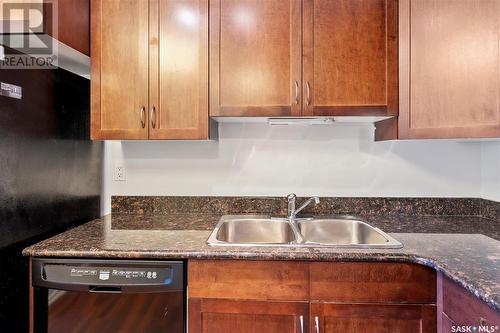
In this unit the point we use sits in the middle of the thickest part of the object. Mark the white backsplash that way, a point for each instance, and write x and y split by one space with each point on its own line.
490 171
336 160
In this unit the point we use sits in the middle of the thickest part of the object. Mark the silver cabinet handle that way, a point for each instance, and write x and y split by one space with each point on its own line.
142 111
316 324
301 318
297 93
153 117
308 85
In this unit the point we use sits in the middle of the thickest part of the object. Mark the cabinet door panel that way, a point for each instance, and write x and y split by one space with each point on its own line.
362 318
255 50
179 69
372 282
227 316
252 280
350 57
119 69
450 68
463 308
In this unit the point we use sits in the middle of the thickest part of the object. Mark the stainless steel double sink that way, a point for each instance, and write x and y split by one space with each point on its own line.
258 230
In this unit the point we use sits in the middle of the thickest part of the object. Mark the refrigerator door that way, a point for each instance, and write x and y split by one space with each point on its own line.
49 169
49 172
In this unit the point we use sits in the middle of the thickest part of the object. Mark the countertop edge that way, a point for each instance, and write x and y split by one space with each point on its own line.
305 256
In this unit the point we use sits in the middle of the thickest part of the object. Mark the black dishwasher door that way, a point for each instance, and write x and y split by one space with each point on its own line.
108 296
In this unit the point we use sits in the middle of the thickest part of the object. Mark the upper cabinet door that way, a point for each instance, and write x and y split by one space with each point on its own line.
179 69
119 53
255 57
350 57
450 69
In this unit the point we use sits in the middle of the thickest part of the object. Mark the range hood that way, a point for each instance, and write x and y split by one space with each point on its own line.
67 57
303 121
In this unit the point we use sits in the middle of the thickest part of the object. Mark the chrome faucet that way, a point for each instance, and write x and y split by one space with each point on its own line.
292 198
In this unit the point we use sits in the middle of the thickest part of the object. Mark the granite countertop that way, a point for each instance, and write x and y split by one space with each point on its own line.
472 260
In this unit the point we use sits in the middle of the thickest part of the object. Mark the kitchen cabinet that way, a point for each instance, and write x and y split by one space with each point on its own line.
372 297
149 69
249 280
450 69
372 283
350 57
66 21
73 21
311 57
457 307
275 296
229 316
370 318
255 57
119 69
179 69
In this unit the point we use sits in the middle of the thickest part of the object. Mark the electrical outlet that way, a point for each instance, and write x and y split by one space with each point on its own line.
120 173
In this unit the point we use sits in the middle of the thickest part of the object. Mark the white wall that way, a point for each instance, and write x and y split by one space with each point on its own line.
490 170
256 159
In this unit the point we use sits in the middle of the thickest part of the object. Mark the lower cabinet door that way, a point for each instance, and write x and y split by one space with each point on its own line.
372 318
228 316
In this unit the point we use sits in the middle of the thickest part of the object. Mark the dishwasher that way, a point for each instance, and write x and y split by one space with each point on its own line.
126 296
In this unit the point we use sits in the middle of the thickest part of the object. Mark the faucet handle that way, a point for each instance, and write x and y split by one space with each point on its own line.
291 198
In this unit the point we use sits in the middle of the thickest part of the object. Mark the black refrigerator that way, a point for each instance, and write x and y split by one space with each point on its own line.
50 172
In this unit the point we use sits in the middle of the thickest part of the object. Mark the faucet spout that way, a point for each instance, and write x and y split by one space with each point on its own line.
292 198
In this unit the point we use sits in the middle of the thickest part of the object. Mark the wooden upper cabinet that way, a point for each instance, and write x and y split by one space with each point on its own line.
73 22
119 70
255 57
179 69
350 57
149 69
310 57
450 69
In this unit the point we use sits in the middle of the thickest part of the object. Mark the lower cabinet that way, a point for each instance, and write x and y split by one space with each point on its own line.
320 297
459 310
229 316
372 318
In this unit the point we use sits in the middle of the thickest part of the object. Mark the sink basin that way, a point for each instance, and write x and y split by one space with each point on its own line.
252 231
344 232
257 230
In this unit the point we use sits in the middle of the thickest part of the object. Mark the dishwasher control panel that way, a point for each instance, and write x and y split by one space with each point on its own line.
127 275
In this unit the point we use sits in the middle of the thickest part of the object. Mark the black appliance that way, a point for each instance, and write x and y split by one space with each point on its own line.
50 173
79 295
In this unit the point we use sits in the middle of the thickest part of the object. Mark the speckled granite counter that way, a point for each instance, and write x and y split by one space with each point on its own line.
472 260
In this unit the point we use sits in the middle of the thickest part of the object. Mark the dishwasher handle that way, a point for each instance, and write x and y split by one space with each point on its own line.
105 289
